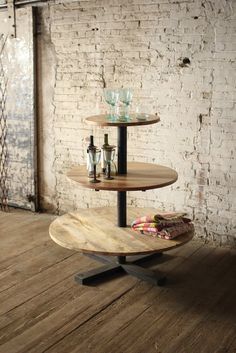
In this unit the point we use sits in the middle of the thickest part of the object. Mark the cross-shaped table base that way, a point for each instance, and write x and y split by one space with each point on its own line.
120 264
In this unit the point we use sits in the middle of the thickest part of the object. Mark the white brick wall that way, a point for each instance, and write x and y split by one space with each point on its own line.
141 44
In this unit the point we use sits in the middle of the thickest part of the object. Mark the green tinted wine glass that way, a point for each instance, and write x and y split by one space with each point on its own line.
112 97
109 154
94 156
126 96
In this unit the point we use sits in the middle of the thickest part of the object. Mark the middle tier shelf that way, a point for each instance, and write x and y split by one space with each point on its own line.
140 176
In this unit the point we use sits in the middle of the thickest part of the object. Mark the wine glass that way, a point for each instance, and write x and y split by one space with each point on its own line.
94 156
109 154
112 97
126 96
141 112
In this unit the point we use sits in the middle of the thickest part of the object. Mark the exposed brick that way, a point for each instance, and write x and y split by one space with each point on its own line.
142 44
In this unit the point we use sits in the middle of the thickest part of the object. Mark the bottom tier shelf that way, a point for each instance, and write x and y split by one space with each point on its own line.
94 231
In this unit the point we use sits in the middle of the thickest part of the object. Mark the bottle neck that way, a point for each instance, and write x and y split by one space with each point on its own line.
106 140
91 143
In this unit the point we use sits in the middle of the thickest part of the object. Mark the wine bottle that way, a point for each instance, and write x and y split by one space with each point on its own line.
103 163
89 164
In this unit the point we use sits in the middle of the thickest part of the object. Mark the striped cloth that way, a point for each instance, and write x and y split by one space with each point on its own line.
165 225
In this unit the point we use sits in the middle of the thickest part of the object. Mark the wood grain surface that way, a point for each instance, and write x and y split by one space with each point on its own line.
140 176
102 120
94 230
43 310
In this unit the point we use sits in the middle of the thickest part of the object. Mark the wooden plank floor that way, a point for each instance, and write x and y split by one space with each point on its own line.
42 309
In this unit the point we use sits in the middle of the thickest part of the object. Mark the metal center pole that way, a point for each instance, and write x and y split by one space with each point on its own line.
122 150
122 169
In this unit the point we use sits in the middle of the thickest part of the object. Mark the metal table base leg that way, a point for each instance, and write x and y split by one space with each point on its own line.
118 265
145 274
97 273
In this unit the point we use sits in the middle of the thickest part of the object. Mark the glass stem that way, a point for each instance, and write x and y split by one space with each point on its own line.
110 115
94 171
113 111
109 170
126 110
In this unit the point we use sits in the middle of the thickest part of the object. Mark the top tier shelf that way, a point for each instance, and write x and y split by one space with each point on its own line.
102 120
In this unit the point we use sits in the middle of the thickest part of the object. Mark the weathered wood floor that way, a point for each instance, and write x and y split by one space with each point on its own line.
42 309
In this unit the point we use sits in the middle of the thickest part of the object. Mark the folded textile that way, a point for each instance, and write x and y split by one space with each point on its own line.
161 224
165 225
160 216
169 233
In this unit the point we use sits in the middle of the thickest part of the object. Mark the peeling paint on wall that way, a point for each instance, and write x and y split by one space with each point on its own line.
3 131
18 68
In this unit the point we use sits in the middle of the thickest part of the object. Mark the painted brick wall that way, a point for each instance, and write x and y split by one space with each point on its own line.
141 44
18 67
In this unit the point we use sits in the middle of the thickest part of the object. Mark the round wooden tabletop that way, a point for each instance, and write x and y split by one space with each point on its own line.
140 176
102 120
94 230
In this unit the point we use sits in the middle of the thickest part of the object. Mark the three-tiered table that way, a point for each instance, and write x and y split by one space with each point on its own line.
99 233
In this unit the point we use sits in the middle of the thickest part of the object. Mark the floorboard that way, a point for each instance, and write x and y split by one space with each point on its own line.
43 310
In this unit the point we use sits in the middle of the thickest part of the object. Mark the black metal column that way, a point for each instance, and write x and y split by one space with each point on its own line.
122 150
121 209
121 259
122 169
